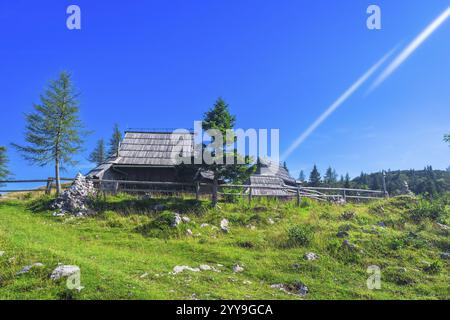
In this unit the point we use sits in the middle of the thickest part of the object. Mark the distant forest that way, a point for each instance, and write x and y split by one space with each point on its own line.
425 182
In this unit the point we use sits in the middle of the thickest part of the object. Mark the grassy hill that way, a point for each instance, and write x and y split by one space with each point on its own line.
129 251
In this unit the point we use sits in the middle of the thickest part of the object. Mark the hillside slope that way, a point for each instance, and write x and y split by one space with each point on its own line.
129 251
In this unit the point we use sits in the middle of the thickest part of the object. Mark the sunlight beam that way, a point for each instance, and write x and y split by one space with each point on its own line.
347 94
409 50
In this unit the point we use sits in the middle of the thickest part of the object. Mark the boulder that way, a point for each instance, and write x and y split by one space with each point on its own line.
176 221
64 271
224 225
186 219
205 267
76 200
27 269
237 269
297 288
179 269
311 256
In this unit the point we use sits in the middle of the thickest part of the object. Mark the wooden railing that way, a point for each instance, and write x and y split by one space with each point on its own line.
199 189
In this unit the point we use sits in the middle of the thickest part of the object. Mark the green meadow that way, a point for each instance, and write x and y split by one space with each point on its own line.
128 250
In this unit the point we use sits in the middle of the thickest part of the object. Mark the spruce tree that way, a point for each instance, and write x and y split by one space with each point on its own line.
98 155
314 177
330 177
54 130
4 173
114 142
347 183
219 118
301 176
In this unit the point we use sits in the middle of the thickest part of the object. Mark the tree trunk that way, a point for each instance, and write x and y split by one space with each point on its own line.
214 192
58 181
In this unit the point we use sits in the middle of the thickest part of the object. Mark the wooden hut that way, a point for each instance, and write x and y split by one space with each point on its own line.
274 177
148 156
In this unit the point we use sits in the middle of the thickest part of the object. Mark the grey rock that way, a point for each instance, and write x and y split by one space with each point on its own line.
311 256
27 269
224 225
237 269
298 288
189 232
347 245
342 234
177 220
77 199
186 219
442 226
179 269
445 255
63 271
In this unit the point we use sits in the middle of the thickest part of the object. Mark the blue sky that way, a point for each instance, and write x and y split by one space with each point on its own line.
279 64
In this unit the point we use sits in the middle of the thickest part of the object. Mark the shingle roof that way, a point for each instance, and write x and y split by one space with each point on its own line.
270 168
272 182
153 148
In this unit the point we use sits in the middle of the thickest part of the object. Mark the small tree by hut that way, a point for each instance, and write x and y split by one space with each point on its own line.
219 118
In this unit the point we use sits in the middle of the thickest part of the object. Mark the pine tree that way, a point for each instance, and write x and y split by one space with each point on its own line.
347 181
219 118
314 177
98 155
301 176
54 131
4 173
114 142
330 177
447 138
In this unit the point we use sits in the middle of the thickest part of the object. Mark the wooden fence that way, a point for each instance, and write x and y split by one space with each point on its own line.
202 189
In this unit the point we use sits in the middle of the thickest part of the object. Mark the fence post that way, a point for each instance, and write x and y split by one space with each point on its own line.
298 196
250 195
197 191
116 188
345 196
48 188
386 194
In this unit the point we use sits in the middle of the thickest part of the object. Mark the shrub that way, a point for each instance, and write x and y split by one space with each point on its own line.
305 203
299 235
399 276
424 209
396 244
160 227
434 268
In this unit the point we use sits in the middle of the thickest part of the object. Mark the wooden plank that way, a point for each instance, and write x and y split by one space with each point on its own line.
23 181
